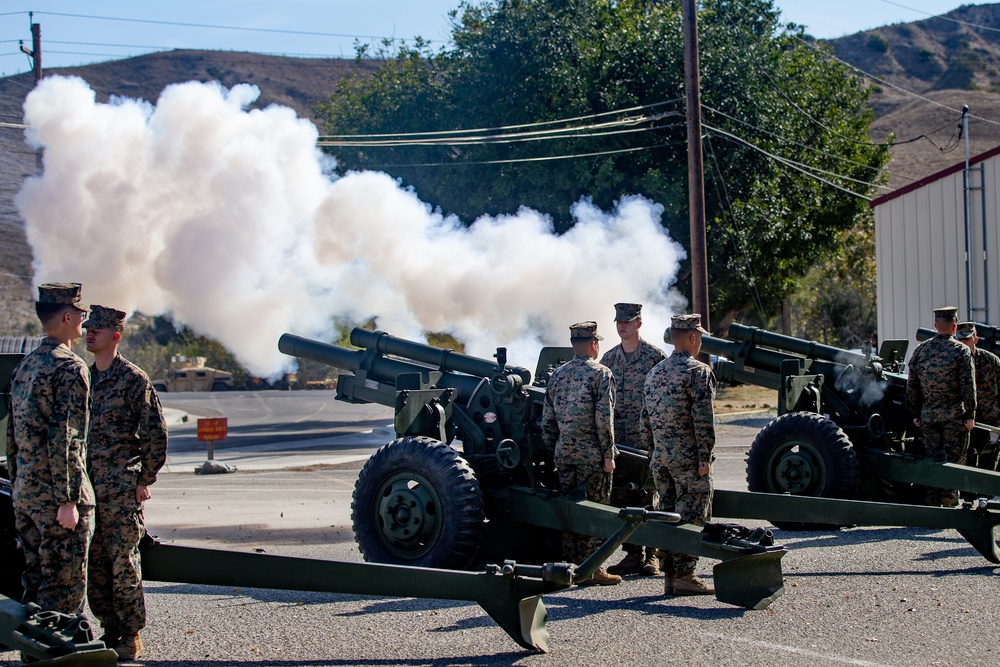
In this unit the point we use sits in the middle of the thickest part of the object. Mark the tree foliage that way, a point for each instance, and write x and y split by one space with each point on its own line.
525 62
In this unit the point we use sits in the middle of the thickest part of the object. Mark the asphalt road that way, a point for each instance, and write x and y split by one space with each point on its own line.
862 596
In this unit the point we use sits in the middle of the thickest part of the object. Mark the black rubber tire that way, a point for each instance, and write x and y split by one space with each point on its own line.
159 387
220 386
418 502
803 453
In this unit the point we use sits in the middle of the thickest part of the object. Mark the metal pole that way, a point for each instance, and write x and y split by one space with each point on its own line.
986 263
696 166
968 223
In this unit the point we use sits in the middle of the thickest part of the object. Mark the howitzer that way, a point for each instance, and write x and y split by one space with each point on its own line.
842 432
420 501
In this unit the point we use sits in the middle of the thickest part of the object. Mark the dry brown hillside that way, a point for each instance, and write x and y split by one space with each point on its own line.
926 71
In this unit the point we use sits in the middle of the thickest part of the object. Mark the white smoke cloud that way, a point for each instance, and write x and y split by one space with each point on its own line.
232 221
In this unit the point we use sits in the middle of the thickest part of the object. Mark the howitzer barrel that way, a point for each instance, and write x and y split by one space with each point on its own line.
767 360
380 369
799 346
445 360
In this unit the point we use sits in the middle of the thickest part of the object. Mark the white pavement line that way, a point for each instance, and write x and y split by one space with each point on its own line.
815 655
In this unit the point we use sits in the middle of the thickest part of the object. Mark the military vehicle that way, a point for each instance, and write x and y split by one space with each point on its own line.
191 374
843 432
467 480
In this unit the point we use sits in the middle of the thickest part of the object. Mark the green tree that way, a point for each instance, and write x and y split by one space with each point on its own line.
837 305
525 62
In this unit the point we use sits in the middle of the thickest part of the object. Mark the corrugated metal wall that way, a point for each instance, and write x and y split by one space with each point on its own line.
920 250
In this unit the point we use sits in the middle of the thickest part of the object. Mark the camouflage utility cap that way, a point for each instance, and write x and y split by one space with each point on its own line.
949 313
103 317
67 294
626 312
966 330
692 321
584 330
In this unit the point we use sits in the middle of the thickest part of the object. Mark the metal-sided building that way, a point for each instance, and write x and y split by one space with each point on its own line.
937 243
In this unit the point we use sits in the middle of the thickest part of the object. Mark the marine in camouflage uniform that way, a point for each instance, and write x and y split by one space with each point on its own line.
982 452
578 425
630 369
679 424
128 446
46 456
941 394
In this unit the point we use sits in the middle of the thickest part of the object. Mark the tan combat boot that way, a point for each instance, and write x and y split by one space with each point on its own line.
651 565
689 584
631 564
601 578
130 647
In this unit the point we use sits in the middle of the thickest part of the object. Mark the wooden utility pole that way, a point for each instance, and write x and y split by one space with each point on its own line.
36 65
36 50
696 164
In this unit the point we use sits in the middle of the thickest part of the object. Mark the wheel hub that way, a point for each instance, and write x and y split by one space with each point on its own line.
407 512
794 472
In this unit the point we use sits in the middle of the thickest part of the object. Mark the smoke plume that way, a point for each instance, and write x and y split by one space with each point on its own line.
233 222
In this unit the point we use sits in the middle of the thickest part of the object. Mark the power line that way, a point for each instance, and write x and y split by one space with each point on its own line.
805 146
737 238
221 27
805 169
533 159
586 131
943 18
503 128
890 84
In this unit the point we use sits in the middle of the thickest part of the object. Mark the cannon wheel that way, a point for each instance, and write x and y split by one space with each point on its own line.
805 454
418 502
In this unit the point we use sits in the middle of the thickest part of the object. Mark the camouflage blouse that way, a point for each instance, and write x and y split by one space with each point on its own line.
630 376
128 436
47 429
987 387
679 417
941 386
578 415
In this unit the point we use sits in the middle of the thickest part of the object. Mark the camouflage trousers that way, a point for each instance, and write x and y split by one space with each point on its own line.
55 573
947 441
582 482
114 589
690 496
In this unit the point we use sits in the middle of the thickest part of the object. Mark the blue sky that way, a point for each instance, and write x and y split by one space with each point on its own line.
75 33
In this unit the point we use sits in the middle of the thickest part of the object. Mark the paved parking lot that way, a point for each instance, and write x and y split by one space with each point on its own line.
862 596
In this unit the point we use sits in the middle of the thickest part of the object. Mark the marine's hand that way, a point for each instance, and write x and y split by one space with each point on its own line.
704 469
67 515
970 424
917 422
609 465
142 493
